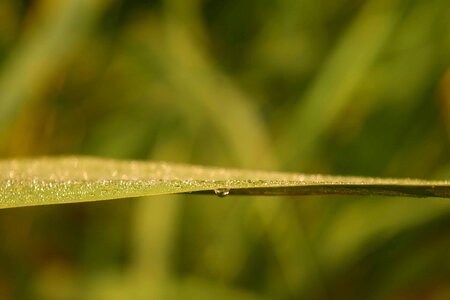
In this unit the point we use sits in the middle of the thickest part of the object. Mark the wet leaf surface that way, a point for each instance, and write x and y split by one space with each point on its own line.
27 182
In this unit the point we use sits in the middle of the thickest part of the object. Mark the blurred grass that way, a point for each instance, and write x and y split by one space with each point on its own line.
342 87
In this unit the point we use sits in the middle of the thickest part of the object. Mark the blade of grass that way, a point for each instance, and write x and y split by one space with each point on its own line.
44 181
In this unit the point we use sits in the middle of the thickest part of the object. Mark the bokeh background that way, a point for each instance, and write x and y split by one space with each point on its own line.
351 87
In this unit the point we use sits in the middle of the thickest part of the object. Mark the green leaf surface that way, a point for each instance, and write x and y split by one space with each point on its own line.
27 182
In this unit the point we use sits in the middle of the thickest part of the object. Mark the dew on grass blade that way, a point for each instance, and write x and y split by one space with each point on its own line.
53 180
222 192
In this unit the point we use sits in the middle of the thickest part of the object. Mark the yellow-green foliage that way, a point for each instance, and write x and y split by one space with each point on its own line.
339 87
44 181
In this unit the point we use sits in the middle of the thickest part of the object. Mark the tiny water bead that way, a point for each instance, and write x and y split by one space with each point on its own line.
222 192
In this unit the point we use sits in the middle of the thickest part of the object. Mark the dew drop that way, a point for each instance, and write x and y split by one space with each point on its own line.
222 192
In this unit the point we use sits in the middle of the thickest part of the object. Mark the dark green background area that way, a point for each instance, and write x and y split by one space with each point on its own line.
345 87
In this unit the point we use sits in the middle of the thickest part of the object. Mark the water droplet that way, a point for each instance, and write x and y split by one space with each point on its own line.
222 192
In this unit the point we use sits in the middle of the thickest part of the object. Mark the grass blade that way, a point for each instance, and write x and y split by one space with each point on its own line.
42 181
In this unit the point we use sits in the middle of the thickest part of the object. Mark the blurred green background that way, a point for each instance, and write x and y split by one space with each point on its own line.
351 87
